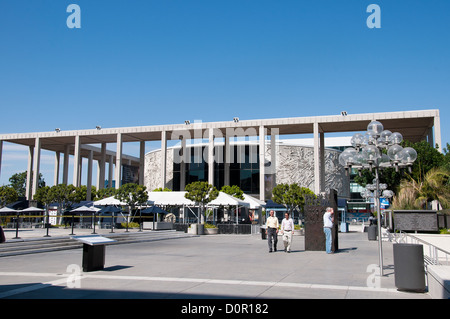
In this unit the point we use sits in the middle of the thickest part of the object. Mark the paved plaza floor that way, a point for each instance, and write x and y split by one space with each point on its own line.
208 267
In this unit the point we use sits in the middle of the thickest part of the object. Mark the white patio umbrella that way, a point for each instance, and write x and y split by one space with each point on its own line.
7 210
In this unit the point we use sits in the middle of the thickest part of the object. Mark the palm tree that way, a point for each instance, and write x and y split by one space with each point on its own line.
417 194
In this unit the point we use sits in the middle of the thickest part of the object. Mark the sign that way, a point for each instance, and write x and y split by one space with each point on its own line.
93 240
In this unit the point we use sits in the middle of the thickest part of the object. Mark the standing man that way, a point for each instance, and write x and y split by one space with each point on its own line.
272 231
328 220
287 229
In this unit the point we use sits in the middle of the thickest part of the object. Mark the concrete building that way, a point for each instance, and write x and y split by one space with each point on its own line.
293 162
92 144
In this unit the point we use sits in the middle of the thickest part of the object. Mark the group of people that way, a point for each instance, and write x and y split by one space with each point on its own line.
287 230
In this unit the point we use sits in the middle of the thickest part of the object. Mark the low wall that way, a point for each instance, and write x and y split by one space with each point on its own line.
244 229
157 225
438 281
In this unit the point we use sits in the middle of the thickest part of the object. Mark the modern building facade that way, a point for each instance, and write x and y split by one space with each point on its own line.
92 144
293 163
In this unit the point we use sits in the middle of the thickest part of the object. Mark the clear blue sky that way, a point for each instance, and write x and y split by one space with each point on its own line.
148 62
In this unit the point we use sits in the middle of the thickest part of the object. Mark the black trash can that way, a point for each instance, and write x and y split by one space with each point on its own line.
372 232
263 233
409 267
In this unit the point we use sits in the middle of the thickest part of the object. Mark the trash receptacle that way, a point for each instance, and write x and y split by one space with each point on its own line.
372 232
200 229
263 233
409 267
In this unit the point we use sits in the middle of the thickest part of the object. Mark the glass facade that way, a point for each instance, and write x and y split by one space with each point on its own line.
244 168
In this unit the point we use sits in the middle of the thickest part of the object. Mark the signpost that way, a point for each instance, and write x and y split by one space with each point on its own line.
93 251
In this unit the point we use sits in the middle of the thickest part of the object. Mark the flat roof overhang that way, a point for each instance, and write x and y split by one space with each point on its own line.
413 125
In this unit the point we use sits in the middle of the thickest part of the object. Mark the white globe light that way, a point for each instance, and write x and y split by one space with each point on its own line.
396 138
371 153
385 135
409 155
357 140
395 153
370 138
346 155
375 127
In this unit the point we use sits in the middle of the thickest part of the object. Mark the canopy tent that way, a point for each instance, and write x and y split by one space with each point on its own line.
254 203
169 199
227 200
109 201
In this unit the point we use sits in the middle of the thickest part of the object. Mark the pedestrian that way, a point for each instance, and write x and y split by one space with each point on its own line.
272 231
2 235
287 229
328 220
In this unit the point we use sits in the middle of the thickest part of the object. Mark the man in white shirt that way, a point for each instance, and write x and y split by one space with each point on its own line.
272 231
287 229
328 220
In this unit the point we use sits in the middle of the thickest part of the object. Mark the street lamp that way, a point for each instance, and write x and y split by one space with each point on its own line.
367 153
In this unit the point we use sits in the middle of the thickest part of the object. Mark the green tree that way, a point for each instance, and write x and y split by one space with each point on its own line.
7 195
428 157
291 196
45 196
105 192
160 189
132 194
201 193
64 195
234 191
18 181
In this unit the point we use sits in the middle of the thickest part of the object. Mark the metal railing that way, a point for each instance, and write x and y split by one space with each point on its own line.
432 255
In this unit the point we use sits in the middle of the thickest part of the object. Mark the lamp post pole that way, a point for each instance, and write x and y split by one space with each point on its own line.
366 153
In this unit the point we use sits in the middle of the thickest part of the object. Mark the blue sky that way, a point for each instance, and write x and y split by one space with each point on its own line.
154 62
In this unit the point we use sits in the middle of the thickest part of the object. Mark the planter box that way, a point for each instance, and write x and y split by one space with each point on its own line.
416 220
211 231
158 225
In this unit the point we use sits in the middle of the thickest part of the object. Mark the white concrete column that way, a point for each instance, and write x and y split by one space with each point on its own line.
66 164
29 187
101 168
118 173
76 162
211 156
318 160
141 162
322 161
36 165
57 162
89 176
1 149
437 133
183 164
110 171
262 145
163 158
228 159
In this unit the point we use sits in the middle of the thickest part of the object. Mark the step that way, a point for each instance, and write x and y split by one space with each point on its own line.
37 245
